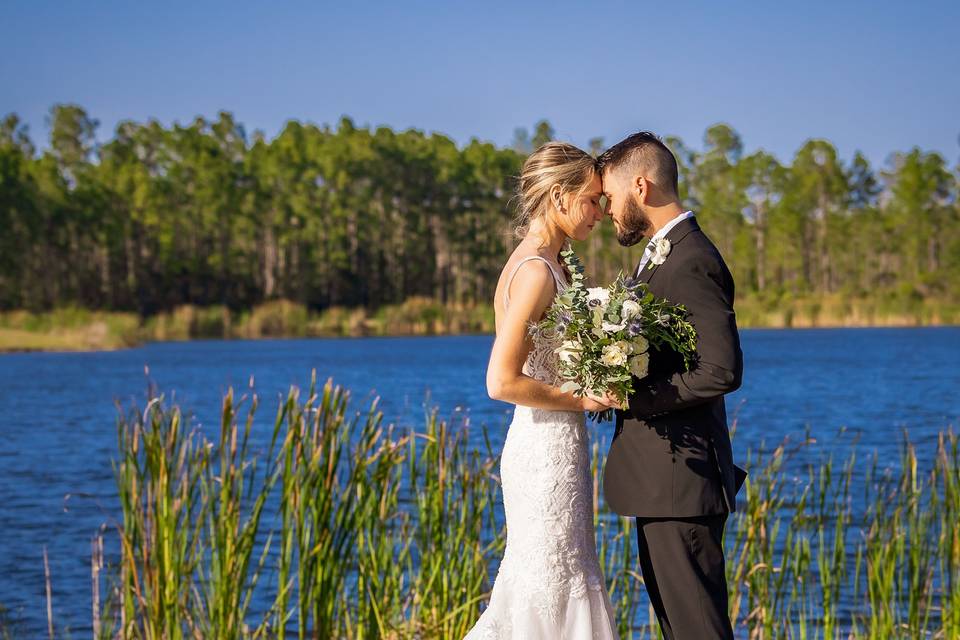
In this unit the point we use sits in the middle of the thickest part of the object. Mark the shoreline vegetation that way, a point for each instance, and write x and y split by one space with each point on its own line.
73 329
334 525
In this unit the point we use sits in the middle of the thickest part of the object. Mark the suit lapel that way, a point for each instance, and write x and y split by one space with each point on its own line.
647 272
675 235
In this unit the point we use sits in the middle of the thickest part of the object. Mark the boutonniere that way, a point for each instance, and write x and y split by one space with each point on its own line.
661 249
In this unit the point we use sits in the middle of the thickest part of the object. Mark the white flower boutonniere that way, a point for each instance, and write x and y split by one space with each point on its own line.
661 249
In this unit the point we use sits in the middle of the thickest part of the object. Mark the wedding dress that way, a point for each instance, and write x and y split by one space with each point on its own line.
549 585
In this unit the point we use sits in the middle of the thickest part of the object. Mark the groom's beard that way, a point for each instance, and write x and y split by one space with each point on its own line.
634 225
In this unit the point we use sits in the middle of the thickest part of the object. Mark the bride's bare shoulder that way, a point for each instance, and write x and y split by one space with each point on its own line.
525 277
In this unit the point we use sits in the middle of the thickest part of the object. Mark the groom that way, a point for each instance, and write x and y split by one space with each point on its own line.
670 464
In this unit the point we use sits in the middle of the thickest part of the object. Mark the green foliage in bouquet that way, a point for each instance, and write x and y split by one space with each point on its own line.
605 333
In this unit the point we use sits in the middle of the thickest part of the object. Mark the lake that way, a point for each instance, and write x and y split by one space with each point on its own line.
59 421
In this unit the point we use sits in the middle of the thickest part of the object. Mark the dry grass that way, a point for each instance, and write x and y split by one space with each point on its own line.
97 332
79 330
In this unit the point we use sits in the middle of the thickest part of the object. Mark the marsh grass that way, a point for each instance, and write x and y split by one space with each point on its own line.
329 524
847 309
71 329
809 561
362 531
67 329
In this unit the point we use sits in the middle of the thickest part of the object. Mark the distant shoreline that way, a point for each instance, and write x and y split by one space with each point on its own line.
71 330
4 350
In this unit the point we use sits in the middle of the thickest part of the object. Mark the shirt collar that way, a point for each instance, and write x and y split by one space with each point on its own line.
670 225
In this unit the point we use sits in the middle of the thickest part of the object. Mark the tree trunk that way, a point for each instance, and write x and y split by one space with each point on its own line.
269 258
822 245
760 239
442 258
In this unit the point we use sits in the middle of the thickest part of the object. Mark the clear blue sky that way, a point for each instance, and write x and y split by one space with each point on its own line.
875 76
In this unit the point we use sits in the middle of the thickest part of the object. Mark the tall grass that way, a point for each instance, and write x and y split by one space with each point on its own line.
365 531
326 523
454 499
338 503
807 562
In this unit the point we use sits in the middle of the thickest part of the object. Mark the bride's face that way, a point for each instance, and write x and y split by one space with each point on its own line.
582 212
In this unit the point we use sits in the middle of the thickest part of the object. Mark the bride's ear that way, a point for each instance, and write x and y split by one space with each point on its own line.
556 197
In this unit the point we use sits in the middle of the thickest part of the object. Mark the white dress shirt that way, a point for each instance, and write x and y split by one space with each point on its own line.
648 252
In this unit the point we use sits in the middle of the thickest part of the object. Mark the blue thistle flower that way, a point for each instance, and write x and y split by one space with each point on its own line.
564 319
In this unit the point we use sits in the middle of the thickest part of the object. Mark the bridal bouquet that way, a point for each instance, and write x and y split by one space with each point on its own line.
607 333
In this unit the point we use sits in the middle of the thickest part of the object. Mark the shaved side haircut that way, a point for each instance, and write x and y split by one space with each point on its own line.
644 153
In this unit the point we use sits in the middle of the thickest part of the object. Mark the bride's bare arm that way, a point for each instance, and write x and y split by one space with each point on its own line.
531 292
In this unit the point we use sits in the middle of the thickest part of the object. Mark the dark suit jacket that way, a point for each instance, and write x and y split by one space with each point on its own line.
671 454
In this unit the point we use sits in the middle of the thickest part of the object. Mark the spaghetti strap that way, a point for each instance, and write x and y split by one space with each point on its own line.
506 291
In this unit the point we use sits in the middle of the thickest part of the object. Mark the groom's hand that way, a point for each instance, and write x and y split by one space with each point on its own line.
705 288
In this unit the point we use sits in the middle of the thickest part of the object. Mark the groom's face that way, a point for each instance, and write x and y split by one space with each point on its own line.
624 207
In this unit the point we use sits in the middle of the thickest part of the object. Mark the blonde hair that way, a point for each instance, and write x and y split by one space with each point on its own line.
553 163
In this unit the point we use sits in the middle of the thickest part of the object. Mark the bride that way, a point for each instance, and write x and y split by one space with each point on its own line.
549 585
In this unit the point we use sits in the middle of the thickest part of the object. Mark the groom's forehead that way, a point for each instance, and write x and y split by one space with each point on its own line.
611 179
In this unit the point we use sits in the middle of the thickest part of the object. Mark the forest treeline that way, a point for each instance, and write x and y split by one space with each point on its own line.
156 216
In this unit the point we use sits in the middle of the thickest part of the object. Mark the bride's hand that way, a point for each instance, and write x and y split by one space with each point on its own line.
595 403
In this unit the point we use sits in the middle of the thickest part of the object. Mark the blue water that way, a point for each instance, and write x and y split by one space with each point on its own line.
59 421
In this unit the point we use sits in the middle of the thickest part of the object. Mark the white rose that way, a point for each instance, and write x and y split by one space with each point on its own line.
624 346
613 356
630 309
570 351
640 344
638 364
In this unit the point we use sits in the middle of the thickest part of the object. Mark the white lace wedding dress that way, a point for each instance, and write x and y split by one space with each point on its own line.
549 585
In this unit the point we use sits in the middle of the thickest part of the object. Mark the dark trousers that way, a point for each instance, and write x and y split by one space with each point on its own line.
683 568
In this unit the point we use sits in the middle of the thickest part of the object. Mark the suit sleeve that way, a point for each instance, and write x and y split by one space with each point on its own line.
704 286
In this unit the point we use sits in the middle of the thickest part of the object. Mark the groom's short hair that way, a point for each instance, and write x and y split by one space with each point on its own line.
643 151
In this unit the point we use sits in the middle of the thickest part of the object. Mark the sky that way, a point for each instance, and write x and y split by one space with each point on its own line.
878 77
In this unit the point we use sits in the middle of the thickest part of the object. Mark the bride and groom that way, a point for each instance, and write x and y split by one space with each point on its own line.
670 464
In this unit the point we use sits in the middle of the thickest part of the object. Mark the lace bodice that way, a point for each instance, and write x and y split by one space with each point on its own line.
542 362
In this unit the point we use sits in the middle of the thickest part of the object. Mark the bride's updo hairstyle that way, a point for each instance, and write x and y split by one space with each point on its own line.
553 163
